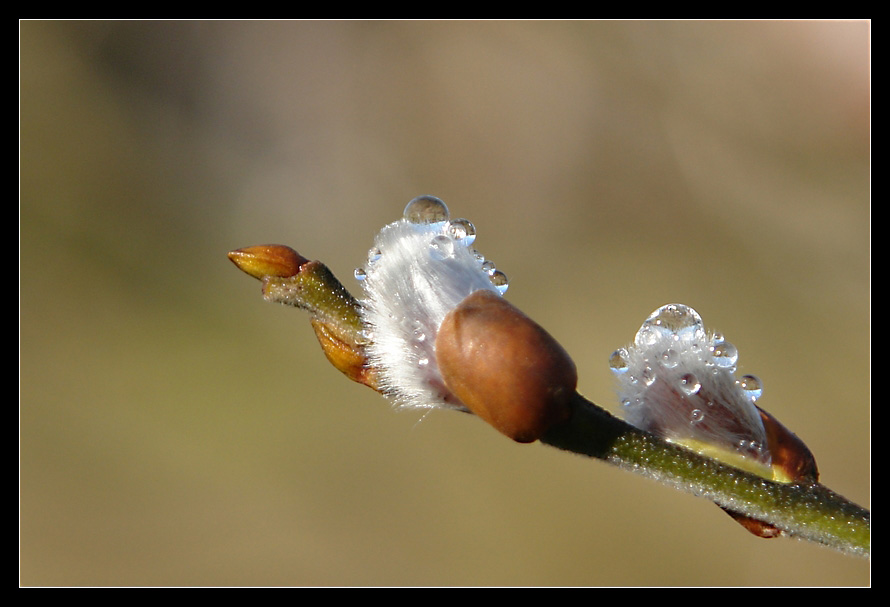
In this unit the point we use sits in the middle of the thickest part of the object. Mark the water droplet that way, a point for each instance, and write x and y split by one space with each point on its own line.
717 338
752 386
365 337
462 231
618 361
752 448
673 320
499 280
648 376
725 355
423 362
488 267
670 359
360 274
441 247
645 336
426 209
374 255
696 416
689 384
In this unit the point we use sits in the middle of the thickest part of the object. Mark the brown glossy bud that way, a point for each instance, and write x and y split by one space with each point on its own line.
268 260
505 367
791 462
346 356
755 526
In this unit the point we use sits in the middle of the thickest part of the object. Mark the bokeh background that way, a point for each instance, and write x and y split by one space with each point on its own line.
176 430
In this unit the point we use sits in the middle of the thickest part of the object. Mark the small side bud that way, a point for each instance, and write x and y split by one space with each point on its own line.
291 279
753 525
347 356
268 260
505 367
792 460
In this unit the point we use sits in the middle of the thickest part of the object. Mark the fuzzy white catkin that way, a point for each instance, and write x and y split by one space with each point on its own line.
678 382
418 270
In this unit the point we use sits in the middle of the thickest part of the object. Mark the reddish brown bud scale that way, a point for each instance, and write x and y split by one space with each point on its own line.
505 367
347 358
755 526
268 260
792 462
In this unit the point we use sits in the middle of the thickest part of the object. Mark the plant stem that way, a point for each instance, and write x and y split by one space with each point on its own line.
807 511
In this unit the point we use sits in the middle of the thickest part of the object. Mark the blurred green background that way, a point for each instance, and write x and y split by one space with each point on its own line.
176 430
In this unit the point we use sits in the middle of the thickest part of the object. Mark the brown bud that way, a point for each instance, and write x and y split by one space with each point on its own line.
268 260
347 357
755 526
792 461
505 367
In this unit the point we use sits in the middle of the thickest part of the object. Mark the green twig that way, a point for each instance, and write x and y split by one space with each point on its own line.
807 511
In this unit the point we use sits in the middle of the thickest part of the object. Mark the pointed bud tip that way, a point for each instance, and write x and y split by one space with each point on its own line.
268 260
792 460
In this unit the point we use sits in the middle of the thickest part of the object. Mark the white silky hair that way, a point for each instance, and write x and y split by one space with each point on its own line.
416 273
678 381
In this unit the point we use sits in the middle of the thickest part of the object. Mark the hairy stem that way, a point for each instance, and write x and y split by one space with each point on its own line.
807 511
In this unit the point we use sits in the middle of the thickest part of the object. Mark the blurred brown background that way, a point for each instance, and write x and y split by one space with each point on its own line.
176 430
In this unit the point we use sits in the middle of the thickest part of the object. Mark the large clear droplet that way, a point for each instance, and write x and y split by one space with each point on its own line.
752 386
441 247
499 280
426 209
462 231
677 321
360 274
725 355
